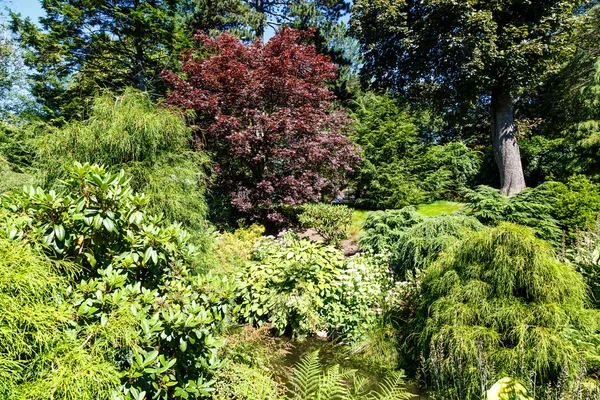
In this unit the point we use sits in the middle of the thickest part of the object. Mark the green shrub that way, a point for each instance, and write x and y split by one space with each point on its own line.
16 155
576 204
311 380
399 170
584 253
531 207
418 246
300 287
382 229
254 365
411 241
446 170
134 299
38 359
152 144
500 304
330 221
243 382
233 250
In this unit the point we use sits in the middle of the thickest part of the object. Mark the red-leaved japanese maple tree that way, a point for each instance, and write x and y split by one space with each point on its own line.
264 113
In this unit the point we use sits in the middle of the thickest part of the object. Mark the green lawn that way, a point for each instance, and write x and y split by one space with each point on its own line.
438 207
358 218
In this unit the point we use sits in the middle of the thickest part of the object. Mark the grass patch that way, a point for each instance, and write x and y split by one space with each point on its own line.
356 226
439 207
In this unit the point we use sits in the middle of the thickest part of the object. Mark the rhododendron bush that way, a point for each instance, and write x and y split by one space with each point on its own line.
265 114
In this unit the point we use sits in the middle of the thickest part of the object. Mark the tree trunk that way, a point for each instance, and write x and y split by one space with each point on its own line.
139 53
504 143
260 9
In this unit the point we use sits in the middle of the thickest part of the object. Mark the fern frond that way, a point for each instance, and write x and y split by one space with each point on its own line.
306 378
332 385
392 388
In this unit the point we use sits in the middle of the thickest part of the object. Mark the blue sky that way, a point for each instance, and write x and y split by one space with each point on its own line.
27 8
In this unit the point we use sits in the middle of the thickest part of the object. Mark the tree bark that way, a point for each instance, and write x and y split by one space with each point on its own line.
139 54
504 143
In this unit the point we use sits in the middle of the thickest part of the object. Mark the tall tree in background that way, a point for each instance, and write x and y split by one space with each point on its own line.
263 111
277 13
460 52
86 44
215 16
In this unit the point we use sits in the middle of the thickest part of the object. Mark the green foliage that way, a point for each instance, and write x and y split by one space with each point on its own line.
584 253
233 250
411 241
531 207
243 382
79 48
330 221
300 287
134 298
445 170
576 204
152 144
418 246
382 228
15 158
388 137
500 304
38 358
254 365
549 208
397 169
311 381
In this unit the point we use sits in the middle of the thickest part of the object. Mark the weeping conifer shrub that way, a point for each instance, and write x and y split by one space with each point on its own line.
37 359
498 304
152 143
531 207
381 229
419 245
412 241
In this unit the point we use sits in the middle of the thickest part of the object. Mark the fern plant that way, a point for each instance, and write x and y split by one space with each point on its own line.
311 381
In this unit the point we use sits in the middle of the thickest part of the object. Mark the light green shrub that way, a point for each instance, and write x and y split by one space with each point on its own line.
330 221
40 355
500 304
381 229
233 250
576 204
411 241
398 169
151 143
135 300
300 287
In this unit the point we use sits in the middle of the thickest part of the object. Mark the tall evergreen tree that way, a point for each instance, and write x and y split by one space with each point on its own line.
461 52
86 44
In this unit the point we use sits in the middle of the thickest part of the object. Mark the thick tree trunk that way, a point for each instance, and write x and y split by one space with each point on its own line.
506 148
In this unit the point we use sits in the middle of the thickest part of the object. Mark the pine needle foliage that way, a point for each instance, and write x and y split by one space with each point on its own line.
382 228
410 240
151 143
501 298
41 355
419 245
531 207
